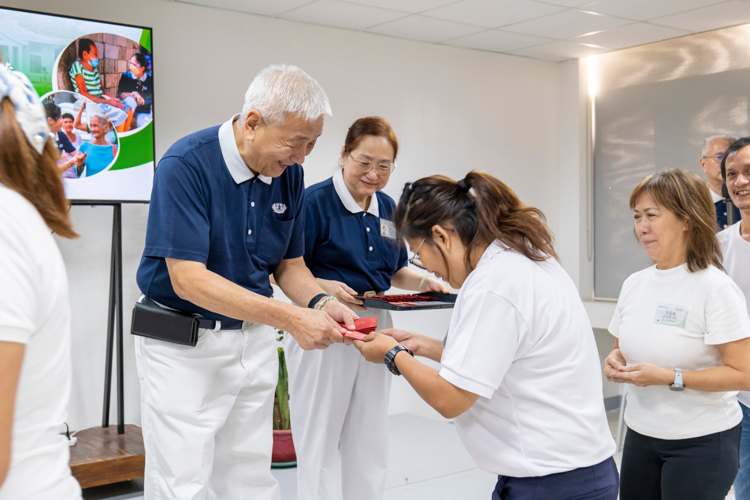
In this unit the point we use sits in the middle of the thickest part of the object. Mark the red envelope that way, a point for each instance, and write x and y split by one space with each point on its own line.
362 327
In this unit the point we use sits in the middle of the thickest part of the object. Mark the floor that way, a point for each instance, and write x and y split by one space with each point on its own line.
427 461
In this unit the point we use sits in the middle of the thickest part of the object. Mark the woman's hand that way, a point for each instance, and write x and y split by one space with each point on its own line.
375 346
434 285
643 375
341 291
614 363
408 339
113 101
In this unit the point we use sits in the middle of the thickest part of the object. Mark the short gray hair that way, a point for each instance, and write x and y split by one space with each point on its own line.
281 89
730 139
102 118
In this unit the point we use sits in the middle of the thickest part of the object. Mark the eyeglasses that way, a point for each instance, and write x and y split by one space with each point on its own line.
415 258
364 166
717 157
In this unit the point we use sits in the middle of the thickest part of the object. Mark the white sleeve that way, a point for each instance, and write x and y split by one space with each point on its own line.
483 344
726 315
614 325
17 281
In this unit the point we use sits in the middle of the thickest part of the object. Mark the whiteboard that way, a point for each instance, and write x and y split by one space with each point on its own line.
654 106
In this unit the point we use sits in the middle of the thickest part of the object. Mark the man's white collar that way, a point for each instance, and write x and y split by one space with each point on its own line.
348 200
716 197
236 165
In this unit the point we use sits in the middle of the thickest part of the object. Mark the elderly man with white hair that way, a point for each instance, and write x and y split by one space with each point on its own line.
711 155
227 211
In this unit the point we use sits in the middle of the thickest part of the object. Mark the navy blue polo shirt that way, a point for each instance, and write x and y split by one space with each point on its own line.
207 206
721 214
344 243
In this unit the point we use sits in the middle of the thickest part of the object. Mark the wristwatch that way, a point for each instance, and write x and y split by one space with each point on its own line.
677 385
390 358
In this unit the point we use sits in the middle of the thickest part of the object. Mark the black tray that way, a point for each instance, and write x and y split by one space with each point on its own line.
444 301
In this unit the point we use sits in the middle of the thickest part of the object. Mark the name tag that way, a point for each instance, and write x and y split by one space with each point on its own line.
670 315
387 229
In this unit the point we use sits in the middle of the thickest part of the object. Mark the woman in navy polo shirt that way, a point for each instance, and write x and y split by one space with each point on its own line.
339 401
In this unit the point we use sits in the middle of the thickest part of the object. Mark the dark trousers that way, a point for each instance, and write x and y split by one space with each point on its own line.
701 468
598 482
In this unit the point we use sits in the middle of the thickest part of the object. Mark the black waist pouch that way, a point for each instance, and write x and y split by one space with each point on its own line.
154 322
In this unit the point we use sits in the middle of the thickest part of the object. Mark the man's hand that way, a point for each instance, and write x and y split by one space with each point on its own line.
340 313
375 346
410 340
344 293
316 329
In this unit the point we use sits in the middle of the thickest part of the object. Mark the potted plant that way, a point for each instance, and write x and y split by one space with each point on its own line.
283 447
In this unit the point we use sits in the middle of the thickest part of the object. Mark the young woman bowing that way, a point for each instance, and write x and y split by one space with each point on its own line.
520 370
681 328
339 403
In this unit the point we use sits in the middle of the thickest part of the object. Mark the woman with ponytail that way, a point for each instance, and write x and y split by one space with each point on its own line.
520 370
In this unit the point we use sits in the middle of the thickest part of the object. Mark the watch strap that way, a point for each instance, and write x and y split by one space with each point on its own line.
390 358
677 385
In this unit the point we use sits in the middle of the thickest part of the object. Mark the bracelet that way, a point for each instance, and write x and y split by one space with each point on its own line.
421 283
315 300
323 301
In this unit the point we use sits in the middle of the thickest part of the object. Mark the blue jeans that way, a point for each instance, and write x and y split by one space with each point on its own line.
598 482
742 481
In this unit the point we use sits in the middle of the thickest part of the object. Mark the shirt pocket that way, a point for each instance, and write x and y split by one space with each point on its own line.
274 239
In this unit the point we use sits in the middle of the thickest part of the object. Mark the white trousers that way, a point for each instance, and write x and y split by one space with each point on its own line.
207 415
339 411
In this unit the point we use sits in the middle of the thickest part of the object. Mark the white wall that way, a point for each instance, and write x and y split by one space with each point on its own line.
453 110
574 222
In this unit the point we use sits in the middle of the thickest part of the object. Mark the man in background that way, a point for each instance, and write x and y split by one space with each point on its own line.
711 157
735 245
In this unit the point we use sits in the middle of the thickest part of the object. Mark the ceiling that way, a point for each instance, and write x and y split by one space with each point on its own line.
552 30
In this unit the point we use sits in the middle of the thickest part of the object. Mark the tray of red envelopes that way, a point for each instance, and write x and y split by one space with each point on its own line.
417 301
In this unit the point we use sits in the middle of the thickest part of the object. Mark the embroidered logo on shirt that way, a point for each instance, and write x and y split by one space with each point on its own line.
279 208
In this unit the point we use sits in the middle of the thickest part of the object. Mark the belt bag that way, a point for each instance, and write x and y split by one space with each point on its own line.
154 322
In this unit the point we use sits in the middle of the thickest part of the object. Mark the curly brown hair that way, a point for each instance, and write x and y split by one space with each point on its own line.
686 195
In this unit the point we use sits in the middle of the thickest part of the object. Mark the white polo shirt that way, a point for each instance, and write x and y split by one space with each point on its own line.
34 311
520 339
736 252
674 319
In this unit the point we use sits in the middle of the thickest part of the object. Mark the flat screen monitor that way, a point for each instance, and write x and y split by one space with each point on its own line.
95 80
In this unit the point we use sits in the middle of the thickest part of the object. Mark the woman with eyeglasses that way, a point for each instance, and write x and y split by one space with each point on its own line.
520 371
339 402
136 88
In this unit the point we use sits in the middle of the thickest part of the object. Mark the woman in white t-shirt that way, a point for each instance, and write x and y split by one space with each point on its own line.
682 340
520 370
35 371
